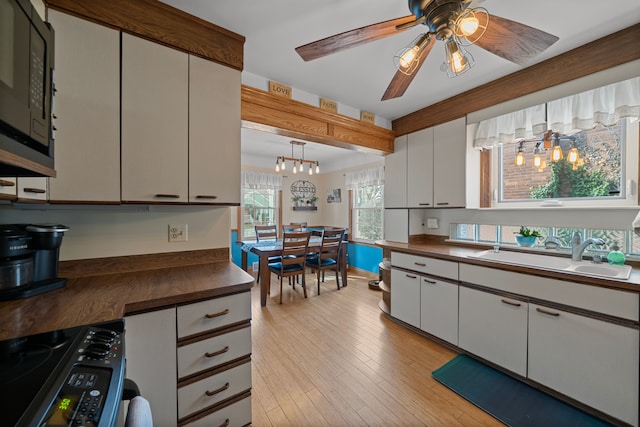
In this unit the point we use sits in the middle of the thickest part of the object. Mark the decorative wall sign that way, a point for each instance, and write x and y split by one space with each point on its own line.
328 105
303 193
279 89
367 117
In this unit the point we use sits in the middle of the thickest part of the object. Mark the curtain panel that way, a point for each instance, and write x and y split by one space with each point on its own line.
364 177
253 180
508 128
605 105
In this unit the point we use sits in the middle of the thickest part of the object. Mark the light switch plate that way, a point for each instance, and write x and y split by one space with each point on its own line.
432 223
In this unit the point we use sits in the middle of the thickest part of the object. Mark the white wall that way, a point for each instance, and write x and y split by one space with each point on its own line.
126 230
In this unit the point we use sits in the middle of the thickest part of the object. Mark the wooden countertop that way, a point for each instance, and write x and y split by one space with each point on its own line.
453 252
104 297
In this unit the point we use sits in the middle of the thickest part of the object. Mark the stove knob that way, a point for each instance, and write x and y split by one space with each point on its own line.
98 350
106 335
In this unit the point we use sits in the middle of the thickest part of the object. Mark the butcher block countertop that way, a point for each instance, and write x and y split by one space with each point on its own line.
438 248
111 288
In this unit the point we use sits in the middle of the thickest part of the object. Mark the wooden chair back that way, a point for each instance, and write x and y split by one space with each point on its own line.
266 232
331 245
294 248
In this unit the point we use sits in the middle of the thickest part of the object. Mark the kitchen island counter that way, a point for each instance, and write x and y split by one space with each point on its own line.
111 288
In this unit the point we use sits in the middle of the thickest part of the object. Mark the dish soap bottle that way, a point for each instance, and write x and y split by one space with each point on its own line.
615 257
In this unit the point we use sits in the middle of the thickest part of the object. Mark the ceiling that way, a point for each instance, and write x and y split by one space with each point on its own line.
359 76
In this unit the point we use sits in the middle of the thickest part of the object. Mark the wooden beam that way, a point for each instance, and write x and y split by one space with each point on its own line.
609 51
161 23
282 116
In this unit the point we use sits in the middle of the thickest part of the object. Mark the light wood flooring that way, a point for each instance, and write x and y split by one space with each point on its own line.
335 360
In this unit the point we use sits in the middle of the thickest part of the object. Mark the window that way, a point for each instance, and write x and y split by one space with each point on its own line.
594 132
259 207
367 196
367 213
261 199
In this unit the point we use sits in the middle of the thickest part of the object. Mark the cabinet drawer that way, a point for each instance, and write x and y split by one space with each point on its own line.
212 314
236 415
214 351
436 267
194 397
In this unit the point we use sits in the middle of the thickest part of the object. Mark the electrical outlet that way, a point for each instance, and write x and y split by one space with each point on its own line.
178 233
255 266
432 222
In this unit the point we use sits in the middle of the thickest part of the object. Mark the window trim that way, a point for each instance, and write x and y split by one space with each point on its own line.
352 208
240 214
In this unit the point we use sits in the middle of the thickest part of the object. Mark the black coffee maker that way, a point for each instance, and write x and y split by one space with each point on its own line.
29 257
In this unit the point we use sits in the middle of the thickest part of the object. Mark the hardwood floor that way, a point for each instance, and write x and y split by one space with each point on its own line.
336 360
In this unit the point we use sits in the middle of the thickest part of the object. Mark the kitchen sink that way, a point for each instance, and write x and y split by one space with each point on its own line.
546 262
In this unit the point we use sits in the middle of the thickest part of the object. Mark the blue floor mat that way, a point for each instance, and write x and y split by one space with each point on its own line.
509 400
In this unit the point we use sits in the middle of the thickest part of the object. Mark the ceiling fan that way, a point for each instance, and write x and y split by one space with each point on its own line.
453 22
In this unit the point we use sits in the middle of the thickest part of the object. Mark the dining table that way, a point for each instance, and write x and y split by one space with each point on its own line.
265 249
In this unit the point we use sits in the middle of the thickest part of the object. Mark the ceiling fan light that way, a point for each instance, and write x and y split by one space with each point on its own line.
457 60
407 58
471 25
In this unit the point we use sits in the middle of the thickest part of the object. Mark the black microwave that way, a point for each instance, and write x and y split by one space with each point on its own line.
26 91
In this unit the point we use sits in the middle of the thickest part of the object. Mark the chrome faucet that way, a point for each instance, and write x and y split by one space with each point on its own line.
578 247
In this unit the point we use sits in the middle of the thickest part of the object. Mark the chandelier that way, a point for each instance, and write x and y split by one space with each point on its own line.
298 162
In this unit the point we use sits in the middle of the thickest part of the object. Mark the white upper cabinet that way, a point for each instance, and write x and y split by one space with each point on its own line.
155 121
214 132
395 175
420 169
87 107
449 154
427 168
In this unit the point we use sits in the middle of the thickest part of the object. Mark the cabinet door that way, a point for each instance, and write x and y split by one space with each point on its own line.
439 308
396 225
590 360
155 84
395 175
494 328
420 169
150 345
87 106
214 132
449 153
32 189
405 297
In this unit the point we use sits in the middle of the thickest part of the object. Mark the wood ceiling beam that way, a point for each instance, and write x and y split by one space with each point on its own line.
282 116
612 50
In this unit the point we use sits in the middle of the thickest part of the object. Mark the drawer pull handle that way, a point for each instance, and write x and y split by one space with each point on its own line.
168 196
424 204
442 203
550 313
433 282
204 196
225 423
515 304
410 276
34 190
420 264
218 314
5 183
217 391
217 353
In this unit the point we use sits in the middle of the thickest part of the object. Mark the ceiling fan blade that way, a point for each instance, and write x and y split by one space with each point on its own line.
514 41
401 81
352 38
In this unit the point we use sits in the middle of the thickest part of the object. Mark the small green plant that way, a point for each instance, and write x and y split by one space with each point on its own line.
526 232
313 199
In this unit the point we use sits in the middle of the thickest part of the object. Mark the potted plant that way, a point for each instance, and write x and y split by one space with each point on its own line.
295 200
313 200
526 237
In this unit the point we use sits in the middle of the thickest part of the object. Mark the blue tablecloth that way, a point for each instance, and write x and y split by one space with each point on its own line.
247 246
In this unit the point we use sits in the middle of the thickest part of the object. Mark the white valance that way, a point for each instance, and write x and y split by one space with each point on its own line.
252 180
508 128
605 105
364 177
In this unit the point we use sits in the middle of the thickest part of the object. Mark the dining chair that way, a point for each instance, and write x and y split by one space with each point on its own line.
264 233
328 255
292 262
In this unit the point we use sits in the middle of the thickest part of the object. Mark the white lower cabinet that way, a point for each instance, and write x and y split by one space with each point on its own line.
494 327
439 308
590 360
192 362
405 297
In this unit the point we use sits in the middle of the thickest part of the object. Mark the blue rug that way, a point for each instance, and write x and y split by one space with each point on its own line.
511 401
